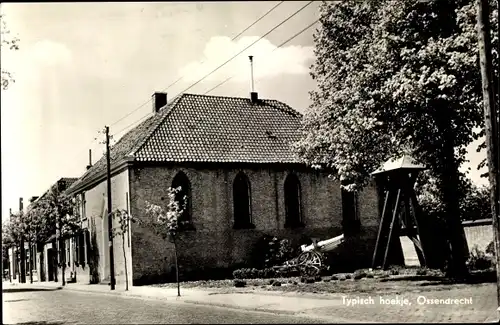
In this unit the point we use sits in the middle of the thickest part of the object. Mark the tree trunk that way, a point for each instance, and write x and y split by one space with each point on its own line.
22 266
125 261
63 262
457 268
177 270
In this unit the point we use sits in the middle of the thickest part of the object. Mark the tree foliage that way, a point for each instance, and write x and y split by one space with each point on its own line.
8 43
394 77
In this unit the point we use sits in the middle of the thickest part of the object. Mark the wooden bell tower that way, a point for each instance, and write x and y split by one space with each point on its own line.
400 213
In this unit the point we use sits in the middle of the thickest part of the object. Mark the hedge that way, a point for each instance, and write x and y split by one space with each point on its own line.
252 273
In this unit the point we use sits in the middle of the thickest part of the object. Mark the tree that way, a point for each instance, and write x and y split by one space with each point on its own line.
15 233
166 222
124 220
11 43
62 218
394 77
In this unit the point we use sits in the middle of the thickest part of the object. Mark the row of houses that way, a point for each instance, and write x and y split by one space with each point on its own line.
233 159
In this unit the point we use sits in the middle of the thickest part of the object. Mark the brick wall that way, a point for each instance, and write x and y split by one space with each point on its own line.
214 243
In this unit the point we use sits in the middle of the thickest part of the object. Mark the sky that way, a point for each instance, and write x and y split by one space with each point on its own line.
82 66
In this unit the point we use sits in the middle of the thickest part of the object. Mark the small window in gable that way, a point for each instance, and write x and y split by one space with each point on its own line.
181 180
242 202
293 202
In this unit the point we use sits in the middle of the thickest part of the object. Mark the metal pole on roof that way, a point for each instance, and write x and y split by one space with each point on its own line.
110 216
251 70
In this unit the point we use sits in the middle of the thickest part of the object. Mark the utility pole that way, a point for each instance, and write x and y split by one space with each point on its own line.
491 123
110 218
22 252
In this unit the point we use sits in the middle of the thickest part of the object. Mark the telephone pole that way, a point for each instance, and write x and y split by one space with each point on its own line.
110 218
22 252
491 123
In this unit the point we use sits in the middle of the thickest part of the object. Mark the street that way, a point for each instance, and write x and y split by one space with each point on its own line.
68 307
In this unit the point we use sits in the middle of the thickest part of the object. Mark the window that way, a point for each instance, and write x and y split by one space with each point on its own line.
350 219
293 202
242 202
181 180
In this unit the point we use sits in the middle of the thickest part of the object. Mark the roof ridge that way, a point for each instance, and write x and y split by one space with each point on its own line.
141 142
286 109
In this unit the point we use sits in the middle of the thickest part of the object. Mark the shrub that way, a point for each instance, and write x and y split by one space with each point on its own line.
239 283
326 280
348 276
295 283
342 278
271 251
370 275
422 271
490 249
310 280
317 278
478 260
276 284
334 277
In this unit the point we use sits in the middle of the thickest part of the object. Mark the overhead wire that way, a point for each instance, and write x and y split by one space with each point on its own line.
233 57
247 47
280 45
181 77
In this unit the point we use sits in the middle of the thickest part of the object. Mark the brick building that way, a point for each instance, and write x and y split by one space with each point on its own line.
233 160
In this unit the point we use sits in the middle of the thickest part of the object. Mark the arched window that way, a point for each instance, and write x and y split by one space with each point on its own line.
242 202
181 180
293 200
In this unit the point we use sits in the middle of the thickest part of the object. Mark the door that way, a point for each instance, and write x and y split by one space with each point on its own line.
51 258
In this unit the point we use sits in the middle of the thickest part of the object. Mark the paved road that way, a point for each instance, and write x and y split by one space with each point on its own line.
70 307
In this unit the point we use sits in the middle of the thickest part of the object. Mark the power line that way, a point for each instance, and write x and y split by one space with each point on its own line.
181 77
269 32
280 45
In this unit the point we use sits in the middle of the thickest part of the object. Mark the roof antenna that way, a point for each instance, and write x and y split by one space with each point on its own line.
251 70
253 95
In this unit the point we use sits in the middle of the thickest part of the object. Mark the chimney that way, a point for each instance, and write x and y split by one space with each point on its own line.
21 207
254 97
90 159
159 101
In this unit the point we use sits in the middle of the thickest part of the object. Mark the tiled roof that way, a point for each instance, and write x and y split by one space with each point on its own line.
199 128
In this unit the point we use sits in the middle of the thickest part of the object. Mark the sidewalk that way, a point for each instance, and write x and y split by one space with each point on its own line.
333 308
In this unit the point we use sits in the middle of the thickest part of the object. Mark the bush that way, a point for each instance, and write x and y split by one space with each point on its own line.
276 284
342 278
490 249
422 271
271 251
478 260
239 283
334 277
369 275
348 276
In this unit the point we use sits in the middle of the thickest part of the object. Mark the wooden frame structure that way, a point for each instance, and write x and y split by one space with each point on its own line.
400 213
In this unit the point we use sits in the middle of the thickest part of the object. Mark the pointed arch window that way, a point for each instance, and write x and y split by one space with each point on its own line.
293 202
242 201
182 181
